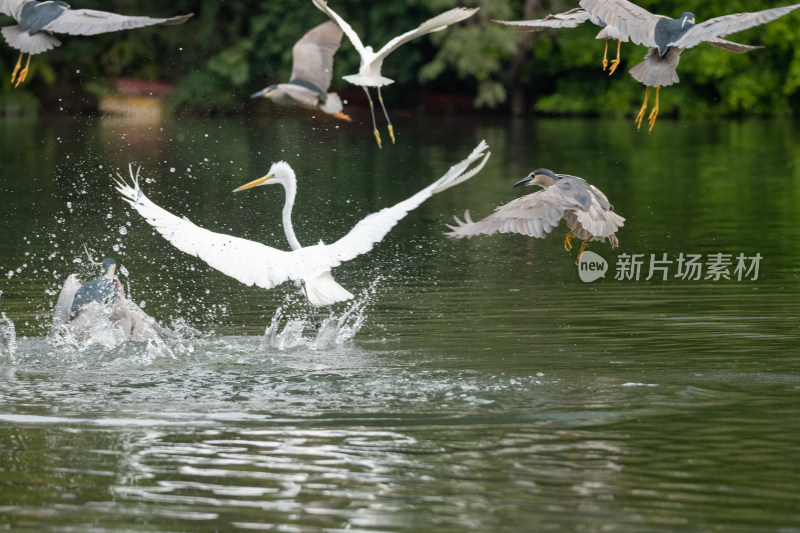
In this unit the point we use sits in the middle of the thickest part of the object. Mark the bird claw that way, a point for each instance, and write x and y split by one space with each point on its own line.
377 138
391 133
568 241
652 118
584 246
614 65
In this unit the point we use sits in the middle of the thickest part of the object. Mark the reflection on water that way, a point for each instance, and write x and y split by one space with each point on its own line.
475 385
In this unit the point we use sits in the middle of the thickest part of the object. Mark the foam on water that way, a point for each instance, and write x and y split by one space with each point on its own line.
8 337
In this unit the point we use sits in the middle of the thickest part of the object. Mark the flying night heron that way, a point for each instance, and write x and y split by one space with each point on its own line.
369 73
38 21
309 267
312 71
102 289
587 211
572 19
667 38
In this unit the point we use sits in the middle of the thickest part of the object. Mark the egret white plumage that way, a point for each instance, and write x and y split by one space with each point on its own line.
369 73
38 21
312 71
587 211
253 263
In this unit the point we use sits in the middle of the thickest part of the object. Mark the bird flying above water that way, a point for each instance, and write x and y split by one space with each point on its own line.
312 71
587 211
253 263
369 73
38 21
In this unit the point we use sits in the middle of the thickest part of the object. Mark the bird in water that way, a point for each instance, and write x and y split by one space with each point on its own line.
102 289
38 21
572 19
312 71
309 267
667 38
587 211
369 73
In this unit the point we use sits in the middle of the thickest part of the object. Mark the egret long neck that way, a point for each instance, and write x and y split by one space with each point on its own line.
291 191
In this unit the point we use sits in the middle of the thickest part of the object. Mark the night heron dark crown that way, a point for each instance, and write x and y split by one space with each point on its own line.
545 171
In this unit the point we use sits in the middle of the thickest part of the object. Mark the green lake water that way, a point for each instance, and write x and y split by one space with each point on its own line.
478 385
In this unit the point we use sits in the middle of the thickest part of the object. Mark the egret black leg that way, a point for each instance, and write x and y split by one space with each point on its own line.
374 124
310 308
391 128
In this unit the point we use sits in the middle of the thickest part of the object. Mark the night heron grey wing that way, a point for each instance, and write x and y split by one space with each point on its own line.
305 96
727 24
534 215
568 19
312 55
630 20
730 46
92 22
11 7
437 23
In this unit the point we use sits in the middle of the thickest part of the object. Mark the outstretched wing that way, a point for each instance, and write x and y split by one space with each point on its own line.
374 227
730 46
91 22
628 19
727 24
11 7
312 55
250 262
568 19
437 23
322 5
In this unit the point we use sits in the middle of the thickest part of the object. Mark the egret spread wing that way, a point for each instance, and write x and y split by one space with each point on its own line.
91 22
628 19
568 19
727 24
322 5
11 7
312 55
439 22
250 262
374 227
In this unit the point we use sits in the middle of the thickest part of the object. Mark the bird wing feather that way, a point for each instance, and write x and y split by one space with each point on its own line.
727 24
568 19
730 46
348 30
92 22
11 7
250 262
628 19
437 23
312 55
370 230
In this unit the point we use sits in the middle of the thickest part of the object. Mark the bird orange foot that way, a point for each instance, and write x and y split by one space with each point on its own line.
568 241
391 133
377 137
652 118
614 65
23 74
342 116
584 246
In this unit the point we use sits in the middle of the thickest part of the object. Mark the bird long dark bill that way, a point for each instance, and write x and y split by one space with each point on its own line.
254 183
651 119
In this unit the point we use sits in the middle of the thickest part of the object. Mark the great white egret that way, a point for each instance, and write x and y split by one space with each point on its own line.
312 71
369 73
667 38
587 211
309 267
38 21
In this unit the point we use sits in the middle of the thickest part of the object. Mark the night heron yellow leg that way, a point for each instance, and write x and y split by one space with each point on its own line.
584 246
614 62
17 67
640 116
391 129
568 241
605 56
654 112
24 73
374 124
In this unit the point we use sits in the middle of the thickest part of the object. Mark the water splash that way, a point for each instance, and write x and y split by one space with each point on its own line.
332 330
8 337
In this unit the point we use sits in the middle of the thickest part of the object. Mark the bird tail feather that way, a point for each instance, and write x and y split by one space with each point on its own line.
30 44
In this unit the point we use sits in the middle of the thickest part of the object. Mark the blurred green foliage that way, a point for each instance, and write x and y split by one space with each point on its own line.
231 48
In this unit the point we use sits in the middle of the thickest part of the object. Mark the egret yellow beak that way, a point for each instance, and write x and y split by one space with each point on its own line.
254 183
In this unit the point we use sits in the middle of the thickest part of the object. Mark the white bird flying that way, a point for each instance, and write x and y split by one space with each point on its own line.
369 73
309 267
